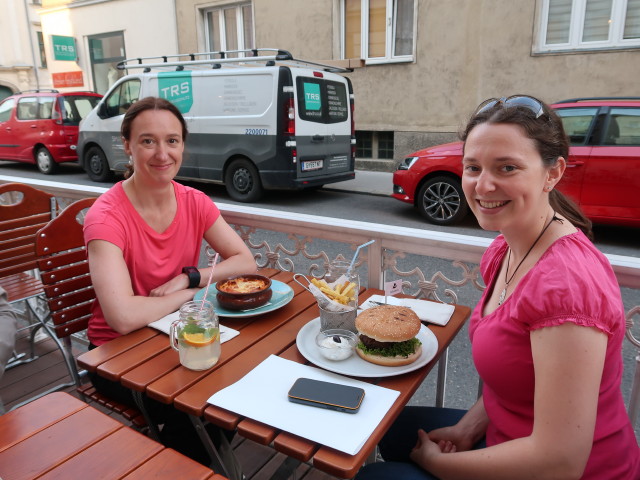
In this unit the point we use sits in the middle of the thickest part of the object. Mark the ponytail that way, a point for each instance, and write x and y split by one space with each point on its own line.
568 209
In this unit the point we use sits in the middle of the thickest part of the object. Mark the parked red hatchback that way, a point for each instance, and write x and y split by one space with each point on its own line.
41 126
602 174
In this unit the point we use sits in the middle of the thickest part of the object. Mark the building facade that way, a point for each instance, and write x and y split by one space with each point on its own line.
428 64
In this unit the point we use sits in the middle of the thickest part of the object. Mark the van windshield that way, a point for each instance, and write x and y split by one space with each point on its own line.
75 107
322 101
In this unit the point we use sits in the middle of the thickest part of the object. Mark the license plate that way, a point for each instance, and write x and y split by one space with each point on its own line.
312 165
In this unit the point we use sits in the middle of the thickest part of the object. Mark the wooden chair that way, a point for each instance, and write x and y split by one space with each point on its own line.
64 268
19 222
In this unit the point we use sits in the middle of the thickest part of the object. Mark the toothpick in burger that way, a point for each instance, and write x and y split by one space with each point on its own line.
388 335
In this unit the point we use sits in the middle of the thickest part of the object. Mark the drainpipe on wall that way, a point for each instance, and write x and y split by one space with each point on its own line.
33 53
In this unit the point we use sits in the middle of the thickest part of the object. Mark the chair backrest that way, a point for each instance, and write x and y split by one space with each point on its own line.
19 222
64 269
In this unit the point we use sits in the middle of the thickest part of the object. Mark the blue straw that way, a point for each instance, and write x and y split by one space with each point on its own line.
353 261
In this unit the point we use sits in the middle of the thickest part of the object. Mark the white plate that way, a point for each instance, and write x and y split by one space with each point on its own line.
282 294
354 365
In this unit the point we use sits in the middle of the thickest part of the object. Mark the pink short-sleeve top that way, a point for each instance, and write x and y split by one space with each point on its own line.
571 282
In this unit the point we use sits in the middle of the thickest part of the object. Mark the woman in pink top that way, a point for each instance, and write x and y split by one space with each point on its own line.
144 238
546 335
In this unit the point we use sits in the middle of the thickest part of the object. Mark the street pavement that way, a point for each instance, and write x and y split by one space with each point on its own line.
369 182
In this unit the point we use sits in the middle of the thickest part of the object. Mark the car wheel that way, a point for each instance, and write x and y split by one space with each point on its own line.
45 161
242 181
441 201
97 166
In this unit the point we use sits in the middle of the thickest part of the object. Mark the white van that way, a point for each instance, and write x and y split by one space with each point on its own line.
255 122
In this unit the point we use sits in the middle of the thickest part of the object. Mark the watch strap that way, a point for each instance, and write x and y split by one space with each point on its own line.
193 274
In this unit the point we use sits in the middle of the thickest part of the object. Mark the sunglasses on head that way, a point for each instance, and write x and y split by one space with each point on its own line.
530 103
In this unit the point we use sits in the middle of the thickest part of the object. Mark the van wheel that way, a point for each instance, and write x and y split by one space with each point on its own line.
96 165
45 161
243 182
441 201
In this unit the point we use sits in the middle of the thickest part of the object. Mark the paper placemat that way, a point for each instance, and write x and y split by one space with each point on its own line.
164 324
262 395
432 312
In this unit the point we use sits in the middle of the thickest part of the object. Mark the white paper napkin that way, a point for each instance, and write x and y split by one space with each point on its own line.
164 324
432 312
262 396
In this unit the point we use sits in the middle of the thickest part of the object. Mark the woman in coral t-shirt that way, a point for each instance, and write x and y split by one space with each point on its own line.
546 335
144 238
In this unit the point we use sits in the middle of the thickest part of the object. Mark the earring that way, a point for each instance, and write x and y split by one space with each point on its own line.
548 188
130 160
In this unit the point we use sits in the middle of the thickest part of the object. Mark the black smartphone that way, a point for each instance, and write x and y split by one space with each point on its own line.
333 396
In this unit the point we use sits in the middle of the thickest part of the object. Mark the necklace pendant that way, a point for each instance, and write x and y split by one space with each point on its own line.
503 294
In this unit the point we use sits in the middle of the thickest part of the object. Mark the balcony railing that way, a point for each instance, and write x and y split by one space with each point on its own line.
433 265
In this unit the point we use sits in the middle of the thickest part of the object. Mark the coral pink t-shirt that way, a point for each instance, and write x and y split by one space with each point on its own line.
572 282
152 258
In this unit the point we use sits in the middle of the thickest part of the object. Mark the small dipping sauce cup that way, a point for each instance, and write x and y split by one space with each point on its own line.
336 344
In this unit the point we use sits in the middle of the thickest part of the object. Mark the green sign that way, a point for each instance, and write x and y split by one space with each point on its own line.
312 96
64 48
177 87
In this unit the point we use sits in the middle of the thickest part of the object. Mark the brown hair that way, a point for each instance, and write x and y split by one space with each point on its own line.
142 105
550 140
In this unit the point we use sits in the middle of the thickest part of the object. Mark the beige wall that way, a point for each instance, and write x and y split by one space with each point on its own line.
466 51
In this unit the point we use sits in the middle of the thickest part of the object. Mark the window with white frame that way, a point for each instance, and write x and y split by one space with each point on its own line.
379 31
589 24
229 27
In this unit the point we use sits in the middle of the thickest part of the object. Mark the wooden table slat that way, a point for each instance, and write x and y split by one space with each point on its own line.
170 465
34 455
92 359
146 351
128 446
139 377
257 431
35 416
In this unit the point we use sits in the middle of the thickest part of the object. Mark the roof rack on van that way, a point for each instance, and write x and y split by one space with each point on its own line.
40 90
228 58
595 99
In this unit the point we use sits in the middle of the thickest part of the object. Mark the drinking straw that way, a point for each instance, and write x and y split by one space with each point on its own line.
353 260
206 290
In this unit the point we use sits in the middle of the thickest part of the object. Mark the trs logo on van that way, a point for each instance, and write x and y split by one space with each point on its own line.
312 96
177 87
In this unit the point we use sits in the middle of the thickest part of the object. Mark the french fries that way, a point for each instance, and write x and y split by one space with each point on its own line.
342 292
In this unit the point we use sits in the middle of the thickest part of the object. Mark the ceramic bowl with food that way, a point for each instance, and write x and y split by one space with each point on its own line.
242 292
336 343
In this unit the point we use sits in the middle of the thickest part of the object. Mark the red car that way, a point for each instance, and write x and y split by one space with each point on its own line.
41 126
602 174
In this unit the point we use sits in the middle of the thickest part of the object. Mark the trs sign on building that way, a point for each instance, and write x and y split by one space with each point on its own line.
64 48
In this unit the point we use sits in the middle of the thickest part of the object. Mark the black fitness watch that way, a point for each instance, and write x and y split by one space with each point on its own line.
194 276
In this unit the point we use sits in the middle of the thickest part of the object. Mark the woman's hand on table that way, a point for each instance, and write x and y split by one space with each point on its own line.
180 282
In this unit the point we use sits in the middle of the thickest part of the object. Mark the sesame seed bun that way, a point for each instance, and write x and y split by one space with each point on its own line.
388 323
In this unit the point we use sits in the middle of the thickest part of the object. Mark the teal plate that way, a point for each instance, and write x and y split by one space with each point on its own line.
282 294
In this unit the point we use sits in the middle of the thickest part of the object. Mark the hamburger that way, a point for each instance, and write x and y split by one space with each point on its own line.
388 335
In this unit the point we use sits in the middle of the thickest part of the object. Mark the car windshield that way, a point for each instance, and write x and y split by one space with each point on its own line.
75 108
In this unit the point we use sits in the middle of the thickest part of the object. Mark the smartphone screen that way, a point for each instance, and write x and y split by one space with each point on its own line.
334 396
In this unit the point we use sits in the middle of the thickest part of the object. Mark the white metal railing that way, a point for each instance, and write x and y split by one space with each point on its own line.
435 265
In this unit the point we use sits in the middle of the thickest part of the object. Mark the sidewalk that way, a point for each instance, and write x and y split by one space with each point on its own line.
373 183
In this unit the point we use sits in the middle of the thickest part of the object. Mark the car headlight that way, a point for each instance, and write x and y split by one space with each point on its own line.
408 162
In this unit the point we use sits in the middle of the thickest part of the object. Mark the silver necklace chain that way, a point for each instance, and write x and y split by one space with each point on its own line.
507 280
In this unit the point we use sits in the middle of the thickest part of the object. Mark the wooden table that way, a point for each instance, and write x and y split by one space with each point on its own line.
59 436
144 362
